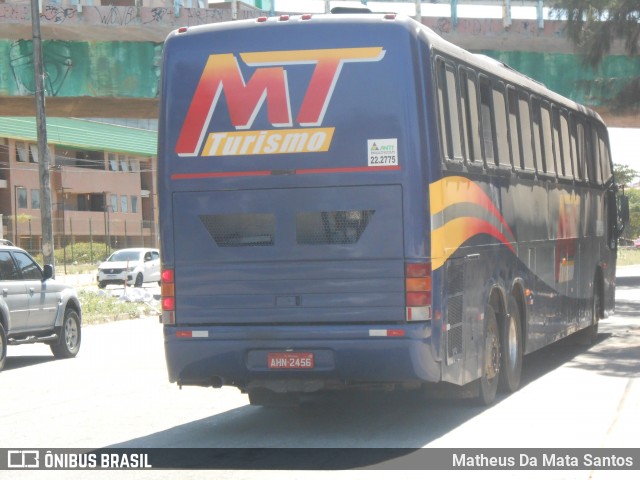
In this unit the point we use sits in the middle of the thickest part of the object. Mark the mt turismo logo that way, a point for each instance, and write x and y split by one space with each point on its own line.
268 84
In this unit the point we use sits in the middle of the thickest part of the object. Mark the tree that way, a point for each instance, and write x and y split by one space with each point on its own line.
633 229
624 174
593 25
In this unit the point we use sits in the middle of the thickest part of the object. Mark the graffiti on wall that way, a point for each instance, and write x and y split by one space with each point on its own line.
492 27
57 64
57 13
54 14
75 69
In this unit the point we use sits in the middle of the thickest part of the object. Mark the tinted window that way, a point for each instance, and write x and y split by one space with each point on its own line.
29 269
471 116
454 121
605 158
448 105
546 133
581 146
8 270
500 115
594 157
486 93
566 146
514 127
525 127
535 131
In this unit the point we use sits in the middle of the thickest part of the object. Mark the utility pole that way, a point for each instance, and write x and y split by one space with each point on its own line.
43 148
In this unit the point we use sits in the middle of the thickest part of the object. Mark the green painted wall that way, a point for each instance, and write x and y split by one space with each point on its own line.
565 74
77 69
132 70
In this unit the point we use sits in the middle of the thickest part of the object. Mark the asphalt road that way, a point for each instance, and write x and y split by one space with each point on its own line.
116 394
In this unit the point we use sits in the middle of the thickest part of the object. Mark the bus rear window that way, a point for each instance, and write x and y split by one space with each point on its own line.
337 227
241 229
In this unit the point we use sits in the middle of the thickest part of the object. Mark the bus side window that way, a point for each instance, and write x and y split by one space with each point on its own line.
500 114
566 146
535 130
454 117
514 128
557 142
470 116
525 128
581 145
487 120
448 106
578 171
594 157
441 90
605 158
547 139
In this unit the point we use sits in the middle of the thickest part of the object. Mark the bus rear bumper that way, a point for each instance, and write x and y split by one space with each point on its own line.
240 356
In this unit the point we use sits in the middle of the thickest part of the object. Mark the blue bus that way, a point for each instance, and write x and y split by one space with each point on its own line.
351 202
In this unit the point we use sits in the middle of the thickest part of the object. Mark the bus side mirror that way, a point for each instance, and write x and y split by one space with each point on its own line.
623 213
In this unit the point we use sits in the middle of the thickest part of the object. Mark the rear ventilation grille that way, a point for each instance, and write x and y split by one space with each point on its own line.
340 227
241 229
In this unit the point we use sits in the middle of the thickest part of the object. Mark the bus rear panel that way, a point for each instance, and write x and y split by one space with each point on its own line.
293 205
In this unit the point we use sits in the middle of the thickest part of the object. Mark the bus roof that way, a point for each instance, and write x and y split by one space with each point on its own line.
429 36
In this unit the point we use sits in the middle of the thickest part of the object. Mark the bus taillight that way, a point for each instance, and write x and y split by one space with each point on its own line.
418 291
168 292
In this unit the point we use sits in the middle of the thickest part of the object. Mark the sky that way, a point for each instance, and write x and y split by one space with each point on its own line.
624 146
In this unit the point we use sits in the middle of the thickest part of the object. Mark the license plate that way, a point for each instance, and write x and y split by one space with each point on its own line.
290 360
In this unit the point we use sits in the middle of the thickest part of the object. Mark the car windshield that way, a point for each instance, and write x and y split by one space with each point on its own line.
124 257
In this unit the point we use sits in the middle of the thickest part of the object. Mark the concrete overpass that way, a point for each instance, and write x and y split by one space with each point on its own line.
104 61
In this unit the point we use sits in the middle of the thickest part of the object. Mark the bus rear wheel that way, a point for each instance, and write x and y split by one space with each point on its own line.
589 335
511 342
491 361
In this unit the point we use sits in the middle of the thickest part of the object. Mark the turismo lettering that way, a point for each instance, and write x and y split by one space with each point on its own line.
265 142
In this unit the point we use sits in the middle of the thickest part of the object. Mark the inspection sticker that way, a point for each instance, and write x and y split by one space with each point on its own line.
382 152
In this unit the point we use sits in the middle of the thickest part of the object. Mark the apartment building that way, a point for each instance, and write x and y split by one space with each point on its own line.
102 176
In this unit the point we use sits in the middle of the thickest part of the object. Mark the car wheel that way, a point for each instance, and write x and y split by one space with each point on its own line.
69 343
3 347
491 360
102 284
139 280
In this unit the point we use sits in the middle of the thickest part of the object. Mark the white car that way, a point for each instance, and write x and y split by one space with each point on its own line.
133 266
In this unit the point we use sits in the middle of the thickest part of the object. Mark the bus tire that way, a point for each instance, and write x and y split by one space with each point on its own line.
589 335
511 349
491 360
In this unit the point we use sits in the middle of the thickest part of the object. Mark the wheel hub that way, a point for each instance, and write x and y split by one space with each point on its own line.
492 367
